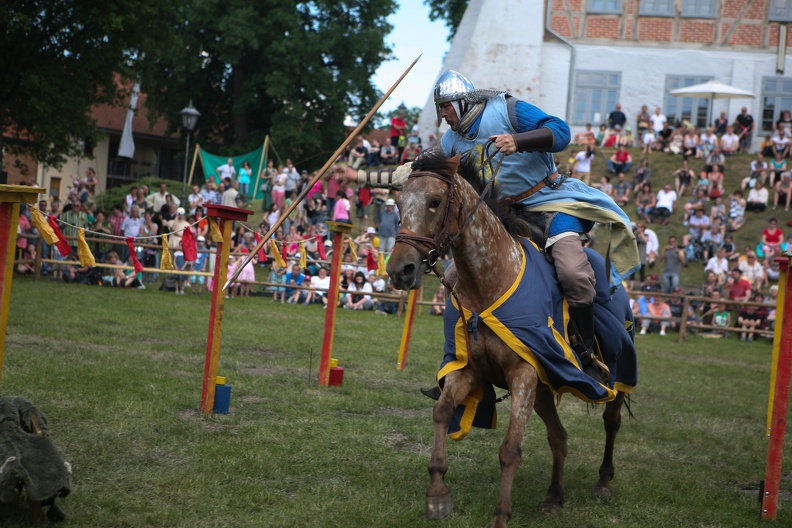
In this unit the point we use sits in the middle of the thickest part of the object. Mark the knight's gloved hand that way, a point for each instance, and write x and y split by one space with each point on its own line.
385 178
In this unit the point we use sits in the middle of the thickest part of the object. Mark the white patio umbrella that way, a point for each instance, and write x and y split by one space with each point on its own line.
712 90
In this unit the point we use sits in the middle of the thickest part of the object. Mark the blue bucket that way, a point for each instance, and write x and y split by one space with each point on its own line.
222 399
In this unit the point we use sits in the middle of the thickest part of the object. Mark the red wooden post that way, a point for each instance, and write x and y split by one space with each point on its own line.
339 230
10 198
225 217
775 451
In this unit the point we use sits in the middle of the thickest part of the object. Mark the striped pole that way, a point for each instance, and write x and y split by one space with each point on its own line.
775 450
407 332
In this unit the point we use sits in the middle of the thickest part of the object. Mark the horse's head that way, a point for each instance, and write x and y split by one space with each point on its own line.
429 206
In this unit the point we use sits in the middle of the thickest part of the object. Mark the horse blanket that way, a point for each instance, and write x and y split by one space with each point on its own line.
532 319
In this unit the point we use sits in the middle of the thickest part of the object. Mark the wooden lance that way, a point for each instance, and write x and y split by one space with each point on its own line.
319 174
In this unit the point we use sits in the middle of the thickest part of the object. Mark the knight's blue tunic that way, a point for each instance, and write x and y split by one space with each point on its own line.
522 170
531 318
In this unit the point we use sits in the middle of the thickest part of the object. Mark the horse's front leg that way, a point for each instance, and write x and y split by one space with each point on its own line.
612 418
522 381
458 385
545 407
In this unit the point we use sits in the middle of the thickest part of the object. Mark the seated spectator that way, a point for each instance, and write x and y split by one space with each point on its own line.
718 265
603 130
771 267
731 250
714 159
738 288
682 179
389 155
605 186
645 201
278 277
199 264
715 185
771 299
657 307
711 284
690 143
648 141
621 191
718 211
757 198
651 285
620 161
729 142
719 316
359 154
295 278
778 166
664 139
642 174
759 169
698 223
780 142
320 284
586 137
439 299
665 205
373 155
748 321
736 211
698 200
772 236
753 271
611 138
356 298
707 143
120 277
783 191
627 139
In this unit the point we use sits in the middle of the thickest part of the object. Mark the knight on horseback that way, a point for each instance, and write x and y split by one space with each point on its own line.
529 182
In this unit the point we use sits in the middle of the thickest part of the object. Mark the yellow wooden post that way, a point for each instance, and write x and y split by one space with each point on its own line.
407 332
782 280
10 198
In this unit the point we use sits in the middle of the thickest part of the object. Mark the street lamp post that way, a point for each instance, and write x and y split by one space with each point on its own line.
189 117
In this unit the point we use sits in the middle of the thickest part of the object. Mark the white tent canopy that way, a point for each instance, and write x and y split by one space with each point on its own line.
712 90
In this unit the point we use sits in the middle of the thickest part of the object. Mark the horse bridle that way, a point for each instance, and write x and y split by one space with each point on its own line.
433 247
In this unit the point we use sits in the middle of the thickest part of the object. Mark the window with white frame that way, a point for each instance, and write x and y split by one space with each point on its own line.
604 6
699 8
781 10
680 109
657 8
776 97
595 96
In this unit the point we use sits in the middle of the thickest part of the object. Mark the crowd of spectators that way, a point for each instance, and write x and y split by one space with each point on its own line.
711 205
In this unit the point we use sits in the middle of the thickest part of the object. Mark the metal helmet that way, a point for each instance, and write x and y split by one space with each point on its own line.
452 86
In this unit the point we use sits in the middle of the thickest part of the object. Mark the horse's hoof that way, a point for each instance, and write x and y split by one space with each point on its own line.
55 514
550 508
439 507
603 490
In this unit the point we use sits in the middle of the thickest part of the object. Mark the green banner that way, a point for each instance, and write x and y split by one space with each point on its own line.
211 162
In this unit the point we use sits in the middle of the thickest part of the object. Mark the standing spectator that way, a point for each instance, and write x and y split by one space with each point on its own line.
617 119
621 161
293 178
673 259
666 198
244 179
341 207
230 194
720 124
279 187
388 226
155 201
267 176
582 167
76 219
643 121
195 199
226 171
658 121
398 129
744 126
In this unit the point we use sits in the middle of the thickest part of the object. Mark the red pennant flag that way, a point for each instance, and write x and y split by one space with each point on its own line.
262 255
62 245
132 256
371 261
320 247
284 253
189 246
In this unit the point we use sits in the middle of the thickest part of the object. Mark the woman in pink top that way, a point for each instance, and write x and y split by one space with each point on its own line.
341 207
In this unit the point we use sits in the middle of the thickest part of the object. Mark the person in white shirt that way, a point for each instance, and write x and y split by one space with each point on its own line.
753 271
320 284
729 142
658 120
226 171
666 197
780 140
582 168
719 265
757 198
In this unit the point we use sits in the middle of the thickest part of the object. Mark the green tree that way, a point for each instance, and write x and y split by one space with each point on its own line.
289 69
61 57
450 11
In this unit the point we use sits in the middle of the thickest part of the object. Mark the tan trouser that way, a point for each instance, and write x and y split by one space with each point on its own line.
574 271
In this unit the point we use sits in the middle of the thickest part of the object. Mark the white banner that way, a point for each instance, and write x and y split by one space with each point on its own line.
127 147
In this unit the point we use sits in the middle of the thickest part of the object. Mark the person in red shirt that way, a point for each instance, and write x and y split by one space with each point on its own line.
621 161
740 289
772 236
398 130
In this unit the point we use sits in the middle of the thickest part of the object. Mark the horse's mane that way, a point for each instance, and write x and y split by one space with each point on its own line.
434 160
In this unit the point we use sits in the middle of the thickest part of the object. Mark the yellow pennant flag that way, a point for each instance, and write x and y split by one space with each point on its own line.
40 223
83 251
352 249
276 254
216 235
166 263
303 256
381 264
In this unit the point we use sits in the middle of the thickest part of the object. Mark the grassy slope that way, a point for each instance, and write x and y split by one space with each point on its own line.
119 374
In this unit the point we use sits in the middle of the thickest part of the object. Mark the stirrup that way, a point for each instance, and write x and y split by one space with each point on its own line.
594 367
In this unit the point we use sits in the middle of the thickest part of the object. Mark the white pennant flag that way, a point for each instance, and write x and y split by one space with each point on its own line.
127 147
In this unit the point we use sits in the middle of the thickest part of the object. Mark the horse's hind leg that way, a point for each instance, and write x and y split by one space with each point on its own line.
522 381
458 385
612 419
557 438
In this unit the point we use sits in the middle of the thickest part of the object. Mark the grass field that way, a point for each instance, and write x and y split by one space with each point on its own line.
119 375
